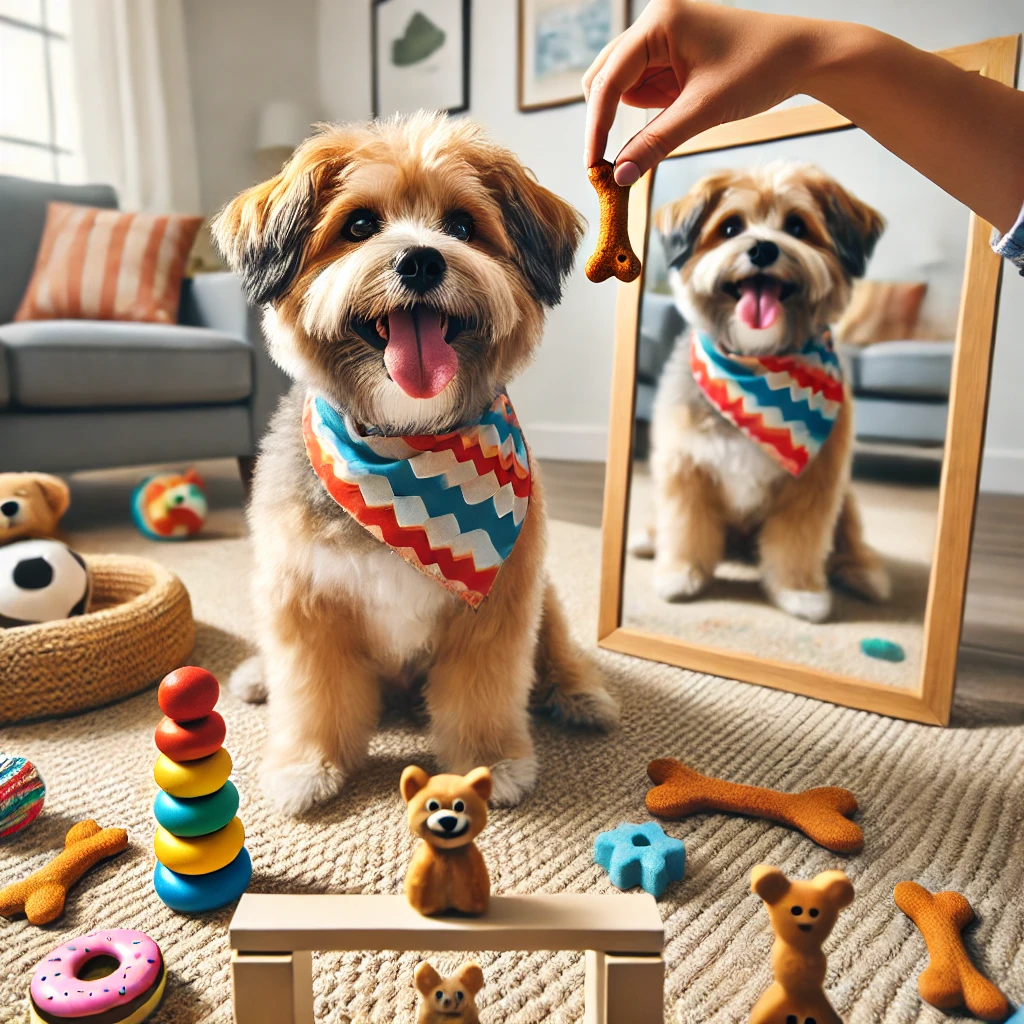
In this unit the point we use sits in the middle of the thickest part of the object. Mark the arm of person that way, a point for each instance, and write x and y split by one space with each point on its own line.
706 65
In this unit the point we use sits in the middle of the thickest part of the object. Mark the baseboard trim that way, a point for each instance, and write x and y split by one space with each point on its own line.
568 441
1002 471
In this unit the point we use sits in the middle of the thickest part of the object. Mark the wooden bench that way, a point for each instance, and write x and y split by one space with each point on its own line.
272 939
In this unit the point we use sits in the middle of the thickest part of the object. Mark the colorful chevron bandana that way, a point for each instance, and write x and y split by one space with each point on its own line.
450 504
786 404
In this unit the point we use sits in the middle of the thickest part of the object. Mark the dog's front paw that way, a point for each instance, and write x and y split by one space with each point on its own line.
641 543
812 605
247 682
511 780
679 584
294 788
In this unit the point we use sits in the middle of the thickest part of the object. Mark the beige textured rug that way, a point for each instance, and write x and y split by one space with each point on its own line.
942 807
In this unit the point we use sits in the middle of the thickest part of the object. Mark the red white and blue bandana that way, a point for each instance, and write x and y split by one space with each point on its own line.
785 404
452 505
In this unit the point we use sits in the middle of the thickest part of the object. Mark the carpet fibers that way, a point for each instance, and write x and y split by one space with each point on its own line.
941 807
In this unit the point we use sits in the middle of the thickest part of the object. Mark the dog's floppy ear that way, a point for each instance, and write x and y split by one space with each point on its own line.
427 979
679 223
55 493
470 977
836 887
545 230
413 780
854 226
769 883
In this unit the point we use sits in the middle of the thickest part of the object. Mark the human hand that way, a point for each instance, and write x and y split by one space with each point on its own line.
703 64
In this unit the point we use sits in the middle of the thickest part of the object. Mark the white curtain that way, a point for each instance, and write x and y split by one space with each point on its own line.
135 105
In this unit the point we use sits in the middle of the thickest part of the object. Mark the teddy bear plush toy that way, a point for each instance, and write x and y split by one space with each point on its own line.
802 916
448 1000
447 812
31 505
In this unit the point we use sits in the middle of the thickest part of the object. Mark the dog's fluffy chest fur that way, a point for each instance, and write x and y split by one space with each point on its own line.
745 475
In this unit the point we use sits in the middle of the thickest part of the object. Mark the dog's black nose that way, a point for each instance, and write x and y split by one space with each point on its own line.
448 823
10 508
421 269
763 254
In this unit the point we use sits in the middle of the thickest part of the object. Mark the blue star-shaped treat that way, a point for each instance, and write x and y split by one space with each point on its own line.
640 855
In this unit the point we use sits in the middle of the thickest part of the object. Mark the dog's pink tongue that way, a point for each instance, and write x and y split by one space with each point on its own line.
759 303
418 358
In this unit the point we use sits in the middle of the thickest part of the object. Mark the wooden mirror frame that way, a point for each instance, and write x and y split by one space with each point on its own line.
930 702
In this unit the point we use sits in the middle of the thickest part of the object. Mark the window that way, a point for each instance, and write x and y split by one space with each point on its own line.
38 118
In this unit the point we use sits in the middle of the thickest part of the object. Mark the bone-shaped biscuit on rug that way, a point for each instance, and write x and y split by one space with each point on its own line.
41 896
950 981
821 814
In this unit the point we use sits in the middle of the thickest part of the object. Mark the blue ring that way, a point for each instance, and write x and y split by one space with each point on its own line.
199 815
192 894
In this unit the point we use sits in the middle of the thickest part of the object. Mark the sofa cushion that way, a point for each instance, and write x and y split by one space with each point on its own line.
22 215
90 364
913 369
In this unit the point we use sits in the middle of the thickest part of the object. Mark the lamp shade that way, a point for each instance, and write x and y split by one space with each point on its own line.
283 125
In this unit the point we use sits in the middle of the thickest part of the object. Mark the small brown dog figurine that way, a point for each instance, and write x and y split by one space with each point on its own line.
448 1000
31 505
802 916
447 812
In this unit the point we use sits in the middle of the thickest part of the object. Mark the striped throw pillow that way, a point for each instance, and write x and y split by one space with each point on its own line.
96 264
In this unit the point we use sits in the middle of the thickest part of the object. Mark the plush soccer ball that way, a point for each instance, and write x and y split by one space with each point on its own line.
41 580
170 506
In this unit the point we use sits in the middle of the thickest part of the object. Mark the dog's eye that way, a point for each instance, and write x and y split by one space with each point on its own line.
459 806
796 911
813 911
731 226
460 226
795 226
360 225
433 805
439 996
459 997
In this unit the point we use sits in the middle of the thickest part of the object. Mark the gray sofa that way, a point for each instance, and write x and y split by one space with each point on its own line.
81 394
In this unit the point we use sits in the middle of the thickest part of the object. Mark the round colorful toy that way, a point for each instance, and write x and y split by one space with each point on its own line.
40 581
194 894
192 778
190 741
188 693
199 816
170 506
22 792
115 976
202 854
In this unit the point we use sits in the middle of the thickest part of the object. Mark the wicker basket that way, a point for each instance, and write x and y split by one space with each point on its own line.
139 627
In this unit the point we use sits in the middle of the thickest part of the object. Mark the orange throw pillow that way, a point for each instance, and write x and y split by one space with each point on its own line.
96 264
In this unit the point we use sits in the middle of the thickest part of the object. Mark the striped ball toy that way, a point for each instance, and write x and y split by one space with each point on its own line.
22 792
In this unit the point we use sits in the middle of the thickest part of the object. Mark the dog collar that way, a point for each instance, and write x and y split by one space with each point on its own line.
452 505
785 404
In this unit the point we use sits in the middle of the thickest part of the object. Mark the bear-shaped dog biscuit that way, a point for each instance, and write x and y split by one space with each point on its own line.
448 1000
31 505
802 916
447 812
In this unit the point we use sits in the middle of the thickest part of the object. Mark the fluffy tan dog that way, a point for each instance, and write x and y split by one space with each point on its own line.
447 812
760 261
405 268
802 915
449 1000
31 505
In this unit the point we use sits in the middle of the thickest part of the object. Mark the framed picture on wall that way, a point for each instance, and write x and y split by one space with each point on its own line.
420 56
558 41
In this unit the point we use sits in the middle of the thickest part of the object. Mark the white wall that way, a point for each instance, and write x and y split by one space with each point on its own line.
241 54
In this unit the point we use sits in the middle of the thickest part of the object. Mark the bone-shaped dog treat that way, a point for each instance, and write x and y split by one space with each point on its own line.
819 813
614 256
950 980
41 896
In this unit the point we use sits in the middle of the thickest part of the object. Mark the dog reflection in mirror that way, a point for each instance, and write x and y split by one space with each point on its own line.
761 262
405 268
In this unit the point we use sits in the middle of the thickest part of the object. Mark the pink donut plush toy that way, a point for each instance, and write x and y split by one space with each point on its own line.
115 976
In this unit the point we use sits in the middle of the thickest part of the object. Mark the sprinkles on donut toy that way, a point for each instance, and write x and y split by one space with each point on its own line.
116 976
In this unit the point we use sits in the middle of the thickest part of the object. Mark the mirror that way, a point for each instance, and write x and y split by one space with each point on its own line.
813 324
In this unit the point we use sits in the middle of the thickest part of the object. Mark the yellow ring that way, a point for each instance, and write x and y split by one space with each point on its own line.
193 778
203 854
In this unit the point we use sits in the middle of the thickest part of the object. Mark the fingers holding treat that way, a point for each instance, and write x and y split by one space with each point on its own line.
614 256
